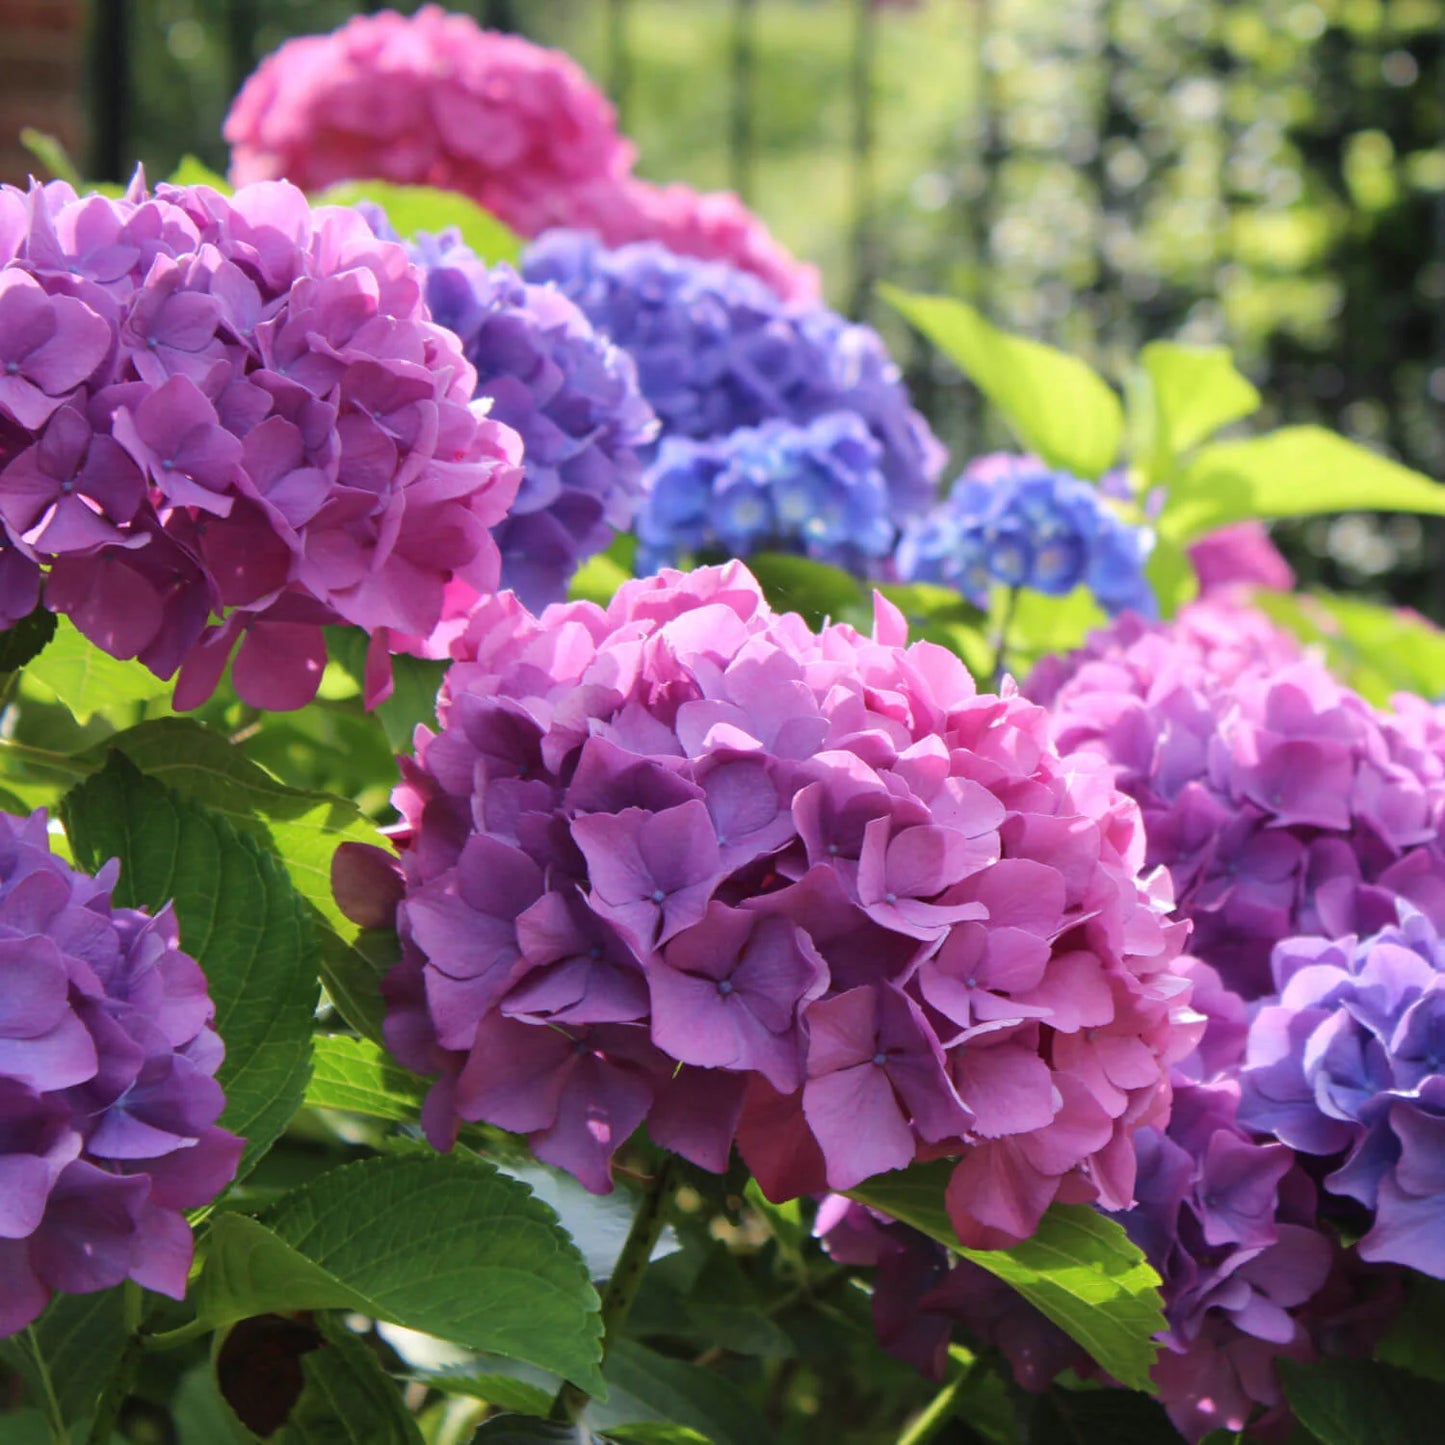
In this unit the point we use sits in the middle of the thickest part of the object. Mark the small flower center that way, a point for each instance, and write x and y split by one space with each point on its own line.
12 368
658 896
724 986
890 898
879 1059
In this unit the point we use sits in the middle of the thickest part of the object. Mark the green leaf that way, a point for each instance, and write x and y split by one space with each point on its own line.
1079 1268
357 1076
415 682
239 918
1363 1402
647 1386
1055 404
347 1398
941 615
798 584
597 580
81 1339
51 153
1042 625
1416 1341
1184 395
1172 576
1292 472
502 1391
26 639
528 1430
25 1427
656 1432
1100 1417
445 1245
1376 650
411 209
302 828
192 172
88 680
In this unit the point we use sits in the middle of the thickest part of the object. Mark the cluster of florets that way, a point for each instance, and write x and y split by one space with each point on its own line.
1015 522
433 99
1280 801
234 409
569 394
1350 1060
429 99
716 350
815 489
684 860
1240 555
108 1096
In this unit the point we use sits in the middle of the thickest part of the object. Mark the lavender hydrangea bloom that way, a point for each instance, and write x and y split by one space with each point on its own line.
815 489
108 1097
1280 801
1013 520
684 861
226 422
717 350
566 390
1351 1060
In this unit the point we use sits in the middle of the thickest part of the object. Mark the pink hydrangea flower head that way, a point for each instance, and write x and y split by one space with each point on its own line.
228 421
108 1096
429 99
1240 555
1280 801
682 860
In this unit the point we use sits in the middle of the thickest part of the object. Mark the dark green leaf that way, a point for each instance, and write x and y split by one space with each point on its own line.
655 1432
647 1386
1363 1402
88 680
528 1430
81 1339
1100 1417
302 828
412 209
357 1076
25 1427
1079 1268
1416 1341
445 1245
1054 403
1296 471
26 639
239 917
348 1399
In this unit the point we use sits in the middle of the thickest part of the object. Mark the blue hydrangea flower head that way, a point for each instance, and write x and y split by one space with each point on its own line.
817 490
1013 520
569 393
717 350
1350 1063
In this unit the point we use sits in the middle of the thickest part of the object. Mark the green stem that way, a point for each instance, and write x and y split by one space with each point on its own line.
44 758
937 1414
102 1427
173 1339
626 1277
54 1416
1000 640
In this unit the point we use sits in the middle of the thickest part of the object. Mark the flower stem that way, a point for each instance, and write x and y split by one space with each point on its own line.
626 1277
1000 639
44 758
54 1416
107 1412
937 1413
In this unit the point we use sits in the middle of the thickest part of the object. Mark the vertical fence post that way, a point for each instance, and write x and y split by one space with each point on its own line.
740 131
110 111
241 56
865 250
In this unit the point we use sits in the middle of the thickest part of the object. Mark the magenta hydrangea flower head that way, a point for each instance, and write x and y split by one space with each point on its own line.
225 422
429 99
108 1096
1241 554
1349 1064
1280 801
569 394
683 860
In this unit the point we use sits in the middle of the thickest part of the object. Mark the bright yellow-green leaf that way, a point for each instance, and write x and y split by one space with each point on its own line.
424 208
1056 405
1186 394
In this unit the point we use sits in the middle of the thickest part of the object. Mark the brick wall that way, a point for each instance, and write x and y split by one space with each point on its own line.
42 50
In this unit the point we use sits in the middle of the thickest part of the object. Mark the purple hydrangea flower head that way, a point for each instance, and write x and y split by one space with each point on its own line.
815 489
228 421
569 394
1013 520
1280 801
108 1096
717 350
1349 1064
684 861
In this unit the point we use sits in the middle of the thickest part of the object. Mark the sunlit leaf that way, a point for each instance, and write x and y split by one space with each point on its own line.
425 208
